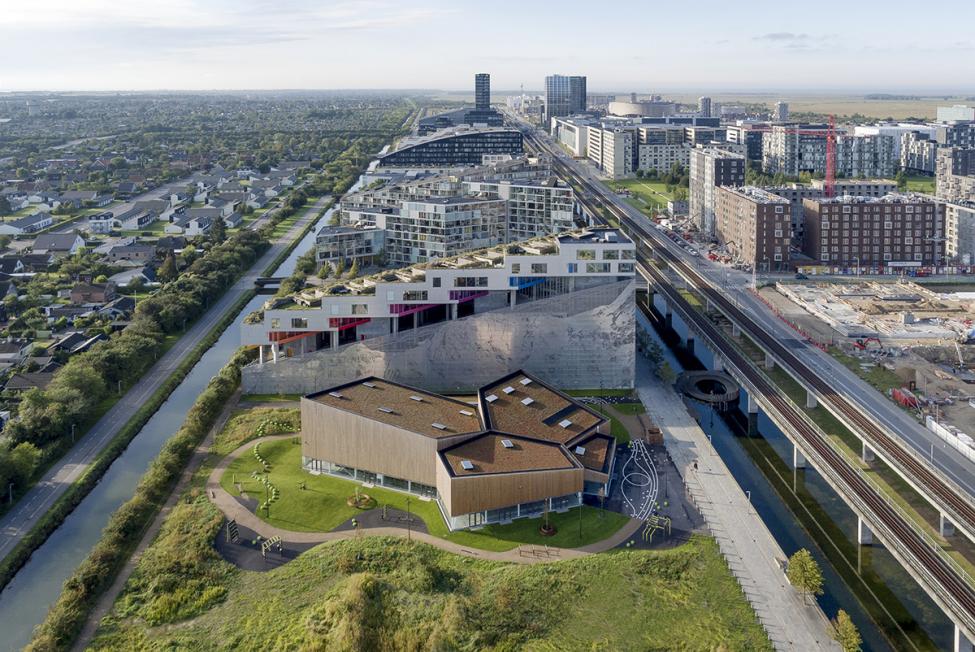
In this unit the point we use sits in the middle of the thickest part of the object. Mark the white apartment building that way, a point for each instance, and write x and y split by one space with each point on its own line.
346 311
960 232
708 169
919 152
612 150
533 210
661 157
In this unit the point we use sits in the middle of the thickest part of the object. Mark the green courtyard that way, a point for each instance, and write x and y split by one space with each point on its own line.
318 503
645 193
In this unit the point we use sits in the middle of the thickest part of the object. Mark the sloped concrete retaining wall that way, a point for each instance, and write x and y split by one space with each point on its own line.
580 340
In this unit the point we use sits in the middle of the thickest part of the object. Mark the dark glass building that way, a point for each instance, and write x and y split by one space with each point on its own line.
455 149
482 92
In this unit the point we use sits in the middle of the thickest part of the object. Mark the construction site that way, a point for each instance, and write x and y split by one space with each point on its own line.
913 343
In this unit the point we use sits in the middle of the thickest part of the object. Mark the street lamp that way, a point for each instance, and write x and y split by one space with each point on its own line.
409 528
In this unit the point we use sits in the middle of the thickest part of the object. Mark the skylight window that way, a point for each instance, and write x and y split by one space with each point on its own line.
467 465
528 400
439 426
508 389
565 423
335 395
491 398
580 450
418 399
507 443
387 410
526 381
370 385
467 413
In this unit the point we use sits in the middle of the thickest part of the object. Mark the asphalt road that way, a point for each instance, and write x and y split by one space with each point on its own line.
737 285
17 523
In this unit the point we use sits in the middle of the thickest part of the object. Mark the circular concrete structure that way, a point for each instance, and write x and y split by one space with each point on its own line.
711 387
646 109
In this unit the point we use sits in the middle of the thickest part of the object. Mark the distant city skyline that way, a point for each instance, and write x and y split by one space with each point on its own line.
436 44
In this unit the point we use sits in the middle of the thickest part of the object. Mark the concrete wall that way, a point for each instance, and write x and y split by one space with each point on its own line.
580 340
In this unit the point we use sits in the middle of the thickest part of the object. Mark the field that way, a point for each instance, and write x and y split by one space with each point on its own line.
388 594
921 183
652 193
321 505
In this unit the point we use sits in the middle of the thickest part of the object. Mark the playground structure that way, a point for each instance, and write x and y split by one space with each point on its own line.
639 482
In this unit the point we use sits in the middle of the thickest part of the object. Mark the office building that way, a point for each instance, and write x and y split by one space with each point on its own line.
781 112
453 147
482 92
956 113
955 171
704 106
564 96
709 169
481 115
612 149
754 225
750 136
956 134
522 449
642 109
890 232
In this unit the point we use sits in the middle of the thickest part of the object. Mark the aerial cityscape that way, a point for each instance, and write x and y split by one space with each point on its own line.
362 326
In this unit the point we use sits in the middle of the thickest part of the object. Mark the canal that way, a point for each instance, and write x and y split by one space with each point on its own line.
801 510
34 589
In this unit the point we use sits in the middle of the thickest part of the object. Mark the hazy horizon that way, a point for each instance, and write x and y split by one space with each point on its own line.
192 45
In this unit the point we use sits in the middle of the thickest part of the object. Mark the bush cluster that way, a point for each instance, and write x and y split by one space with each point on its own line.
80 592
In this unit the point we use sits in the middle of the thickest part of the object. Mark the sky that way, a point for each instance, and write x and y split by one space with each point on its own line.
858 45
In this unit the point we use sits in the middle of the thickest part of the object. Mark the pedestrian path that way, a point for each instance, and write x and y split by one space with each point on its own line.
525 554
751 552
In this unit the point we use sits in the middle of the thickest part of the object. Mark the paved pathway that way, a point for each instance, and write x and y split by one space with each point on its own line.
527 554
29 509
749 548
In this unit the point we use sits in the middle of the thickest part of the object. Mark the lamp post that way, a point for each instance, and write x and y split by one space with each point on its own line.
72 431
409 528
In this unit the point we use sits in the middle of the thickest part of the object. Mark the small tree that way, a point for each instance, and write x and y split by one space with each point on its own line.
354 270
167 271
846 633
340 268
325 271
901 180
218 231
804 573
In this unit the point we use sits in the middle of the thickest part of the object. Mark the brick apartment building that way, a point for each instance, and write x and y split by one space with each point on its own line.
897 230
754 225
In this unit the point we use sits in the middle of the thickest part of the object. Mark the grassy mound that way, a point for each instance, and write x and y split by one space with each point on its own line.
387 594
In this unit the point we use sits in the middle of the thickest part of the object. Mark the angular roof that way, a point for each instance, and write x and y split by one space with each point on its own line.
56 241
405 407
498 452
521 403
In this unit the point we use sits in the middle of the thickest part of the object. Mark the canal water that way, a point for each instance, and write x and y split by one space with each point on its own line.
28 596
825 521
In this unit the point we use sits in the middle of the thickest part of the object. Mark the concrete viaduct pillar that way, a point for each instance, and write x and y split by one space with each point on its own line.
811 400
718 362
690 345
735 330
769 361
864 535
798 459
961 642
867 454
945 527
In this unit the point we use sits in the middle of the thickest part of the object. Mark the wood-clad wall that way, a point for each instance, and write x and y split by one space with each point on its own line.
351 440
466 494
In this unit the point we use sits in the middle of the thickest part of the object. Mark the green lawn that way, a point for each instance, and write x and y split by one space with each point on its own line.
321 506
921 183
265 398
652 193
601 393
880 378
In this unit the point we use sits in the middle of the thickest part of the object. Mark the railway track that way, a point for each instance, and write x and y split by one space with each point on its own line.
947 583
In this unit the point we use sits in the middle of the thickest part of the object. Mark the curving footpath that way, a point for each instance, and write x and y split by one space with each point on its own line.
526 554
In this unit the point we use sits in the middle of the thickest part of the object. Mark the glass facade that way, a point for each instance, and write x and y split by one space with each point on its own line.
456 150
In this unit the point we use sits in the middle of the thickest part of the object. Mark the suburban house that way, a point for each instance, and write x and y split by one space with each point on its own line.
21 382
58 244
100 223
136 218
34 262
520 449
28 224
83 198
195 221
87 293
266 188
15 351
133 253
118 308
145 275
